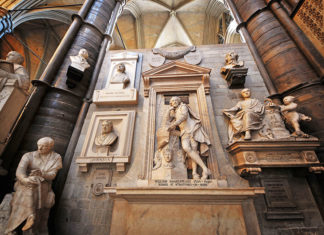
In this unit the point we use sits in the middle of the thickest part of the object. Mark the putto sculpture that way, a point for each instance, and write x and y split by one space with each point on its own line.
106 138
12 68
246 116
191 133
120 77
33 196
292 117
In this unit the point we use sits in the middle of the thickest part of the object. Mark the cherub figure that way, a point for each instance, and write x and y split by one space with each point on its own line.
292 117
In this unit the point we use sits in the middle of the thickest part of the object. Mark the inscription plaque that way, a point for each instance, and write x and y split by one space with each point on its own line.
278 194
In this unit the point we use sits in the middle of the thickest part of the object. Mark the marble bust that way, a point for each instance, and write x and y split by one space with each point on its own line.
231 61
106 138
80 61
33 196
120 79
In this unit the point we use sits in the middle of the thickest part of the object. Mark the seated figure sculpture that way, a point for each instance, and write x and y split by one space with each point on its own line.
245 116
120 77
106 138
19 73
191 133
33 196
292 117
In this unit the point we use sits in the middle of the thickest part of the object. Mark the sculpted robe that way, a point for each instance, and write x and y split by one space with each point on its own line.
105 140
20 74
27 200
190 124
245 115
120 78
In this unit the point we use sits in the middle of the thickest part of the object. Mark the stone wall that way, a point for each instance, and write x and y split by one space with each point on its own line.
82 210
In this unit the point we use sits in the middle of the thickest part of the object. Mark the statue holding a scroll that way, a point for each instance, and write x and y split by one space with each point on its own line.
191 133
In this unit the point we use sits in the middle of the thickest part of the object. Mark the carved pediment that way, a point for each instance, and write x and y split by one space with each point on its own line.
176 73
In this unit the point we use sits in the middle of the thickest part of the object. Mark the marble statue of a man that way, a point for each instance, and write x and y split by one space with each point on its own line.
245 116
191 133
33 196
19 72
120 77
80 61
107 136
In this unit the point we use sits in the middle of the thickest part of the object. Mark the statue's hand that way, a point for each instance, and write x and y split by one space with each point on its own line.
36 172
30 181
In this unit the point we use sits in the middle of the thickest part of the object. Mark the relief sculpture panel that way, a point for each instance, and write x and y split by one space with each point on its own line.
108 140
120 87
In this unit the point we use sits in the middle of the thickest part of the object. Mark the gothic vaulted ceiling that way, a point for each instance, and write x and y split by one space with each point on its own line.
143 24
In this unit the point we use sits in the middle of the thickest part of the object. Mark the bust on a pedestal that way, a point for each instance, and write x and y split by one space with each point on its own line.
77 68
234 71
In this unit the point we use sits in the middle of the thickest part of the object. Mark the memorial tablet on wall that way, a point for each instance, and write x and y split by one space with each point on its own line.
120 87
108 140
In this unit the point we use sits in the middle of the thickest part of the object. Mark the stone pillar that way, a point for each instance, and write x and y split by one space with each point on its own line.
60 107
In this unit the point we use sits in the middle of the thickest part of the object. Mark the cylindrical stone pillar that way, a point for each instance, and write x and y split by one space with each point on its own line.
61 105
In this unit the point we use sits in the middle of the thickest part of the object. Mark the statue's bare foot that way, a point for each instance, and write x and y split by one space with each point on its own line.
29 223
247 135
205 174
195 176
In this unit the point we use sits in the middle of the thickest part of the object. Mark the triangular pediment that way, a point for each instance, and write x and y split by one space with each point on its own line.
176 68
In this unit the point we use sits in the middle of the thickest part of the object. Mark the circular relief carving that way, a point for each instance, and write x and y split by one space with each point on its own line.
98 189
250 158
311 157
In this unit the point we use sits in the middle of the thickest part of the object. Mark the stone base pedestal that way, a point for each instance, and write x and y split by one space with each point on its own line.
235 77
183 211
12 100
115 96
249 157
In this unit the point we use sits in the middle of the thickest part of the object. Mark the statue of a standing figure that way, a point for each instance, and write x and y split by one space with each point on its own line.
18 72
191 133
33 196
245 116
